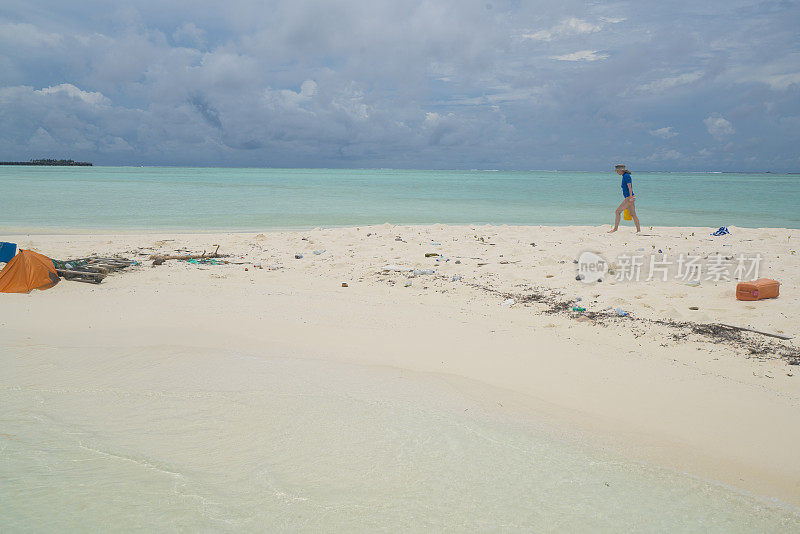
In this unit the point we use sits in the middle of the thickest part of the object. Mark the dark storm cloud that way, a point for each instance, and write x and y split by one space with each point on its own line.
446 83
209 114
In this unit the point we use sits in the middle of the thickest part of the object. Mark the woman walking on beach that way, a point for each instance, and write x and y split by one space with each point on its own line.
628 201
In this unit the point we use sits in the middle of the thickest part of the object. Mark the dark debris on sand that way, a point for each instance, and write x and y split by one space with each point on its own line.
754 345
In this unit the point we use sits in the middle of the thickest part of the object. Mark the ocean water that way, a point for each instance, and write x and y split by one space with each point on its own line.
195 199
249 443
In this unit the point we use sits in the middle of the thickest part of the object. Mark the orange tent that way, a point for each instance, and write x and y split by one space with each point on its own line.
26 271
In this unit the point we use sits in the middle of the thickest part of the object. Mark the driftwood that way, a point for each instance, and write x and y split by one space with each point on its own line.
81 276
762 332
158 259
92 270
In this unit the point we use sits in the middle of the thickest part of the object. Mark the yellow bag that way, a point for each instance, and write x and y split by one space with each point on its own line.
626 215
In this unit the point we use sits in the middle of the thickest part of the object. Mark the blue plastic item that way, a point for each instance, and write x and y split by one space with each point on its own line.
7 251
723 230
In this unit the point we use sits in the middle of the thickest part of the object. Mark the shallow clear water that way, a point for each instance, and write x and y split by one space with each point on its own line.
178 439
251 199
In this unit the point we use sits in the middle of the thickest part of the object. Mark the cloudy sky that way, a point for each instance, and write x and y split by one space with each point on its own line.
661 85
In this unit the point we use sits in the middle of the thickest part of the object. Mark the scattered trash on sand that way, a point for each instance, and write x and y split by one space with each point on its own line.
159 259
762 332
207 261
396 269
91 270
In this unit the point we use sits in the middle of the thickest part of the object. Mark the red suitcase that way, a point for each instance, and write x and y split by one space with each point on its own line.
763 288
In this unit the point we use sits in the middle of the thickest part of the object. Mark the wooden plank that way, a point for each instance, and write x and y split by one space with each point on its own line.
762 332
95 268
67 272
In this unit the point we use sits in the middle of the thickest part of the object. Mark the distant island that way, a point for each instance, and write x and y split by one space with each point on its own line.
50 162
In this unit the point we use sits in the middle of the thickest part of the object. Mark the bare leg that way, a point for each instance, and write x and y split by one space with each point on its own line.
632 211
617 214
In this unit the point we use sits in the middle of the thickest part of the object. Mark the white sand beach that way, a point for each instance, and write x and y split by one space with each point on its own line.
645 386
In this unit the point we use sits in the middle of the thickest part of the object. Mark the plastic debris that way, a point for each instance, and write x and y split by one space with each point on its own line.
723 230
344 284
318 252
418 272
621 312
397 268
507 303
298 256
456 278
578 309
407 283
431 254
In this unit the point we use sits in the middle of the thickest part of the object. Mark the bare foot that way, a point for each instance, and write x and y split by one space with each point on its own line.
612 230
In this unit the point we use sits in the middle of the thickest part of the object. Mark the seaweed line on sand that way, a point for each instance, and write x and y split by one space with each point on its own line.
752 344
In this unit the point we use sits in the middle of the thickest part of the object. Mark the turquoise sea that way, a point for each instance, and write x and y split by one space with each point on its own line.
194 199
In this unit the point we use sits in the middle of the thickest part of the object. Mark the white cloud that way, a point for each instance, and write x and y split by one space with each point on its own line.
565 28
719 127
27 35
783 81
288 99
662 84
582 55
664 133
665 155
613 20
92 98
190 35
